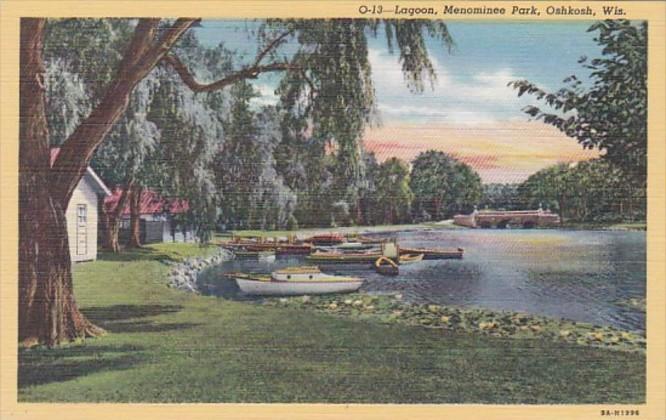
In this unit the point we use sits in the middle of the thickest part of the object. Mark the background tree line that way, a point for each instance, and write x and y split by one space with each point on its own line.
588 191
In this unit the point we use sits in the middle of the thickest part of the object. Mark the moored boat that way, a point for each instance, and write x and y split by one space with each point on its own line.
410 258
254 254
388 249
293 249
435 253
280 248
295 281
326 239
386 266
367 240
343 258
354 246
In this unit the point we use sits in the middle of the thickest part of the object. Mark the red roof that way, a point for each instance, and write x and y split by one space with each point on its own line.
151 203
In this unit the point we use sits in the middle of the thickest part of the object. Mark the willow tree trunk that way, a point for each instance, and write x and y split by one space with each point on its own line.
113 219
48 313
135 217
112 230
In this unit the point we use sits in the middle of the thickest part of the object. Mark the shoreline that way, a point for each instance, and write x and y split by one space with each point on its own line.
444 225
161 338
392 309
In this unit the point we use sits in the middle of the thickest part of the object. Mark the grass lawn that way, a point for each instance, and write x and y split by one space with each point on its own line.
169 346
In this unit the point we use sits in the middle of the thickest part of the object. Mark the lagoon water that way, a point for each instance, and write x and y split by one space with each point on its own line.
579 275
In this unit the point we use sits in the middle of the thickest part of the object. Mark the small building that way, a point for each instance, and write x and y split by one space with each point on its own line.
161 219
82 214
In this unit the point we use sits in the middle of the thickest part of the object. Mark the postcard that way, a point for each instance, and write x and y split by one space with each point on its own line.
333 209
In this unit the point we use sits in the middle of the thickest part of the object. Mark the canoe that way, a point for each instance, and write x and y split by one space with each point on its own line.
435 254
410 258
295 281
386 266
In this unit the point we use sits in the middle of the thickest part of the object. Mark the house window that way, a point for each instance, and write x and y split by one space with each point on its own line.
82 213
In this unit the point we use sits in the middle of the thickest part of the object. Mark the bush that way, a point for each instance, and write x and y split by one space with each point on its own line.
292 223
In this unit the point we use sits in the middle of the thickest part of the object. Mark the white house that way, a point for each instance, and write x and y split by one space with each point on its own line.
82 214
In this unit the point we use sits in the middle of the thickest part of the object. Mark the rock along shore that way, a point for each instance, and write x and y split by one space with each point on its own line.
392 309
183 274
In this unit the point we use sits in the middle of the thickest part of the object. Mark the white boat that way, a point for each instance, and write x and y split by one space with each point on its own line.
410 258
354 246
295 281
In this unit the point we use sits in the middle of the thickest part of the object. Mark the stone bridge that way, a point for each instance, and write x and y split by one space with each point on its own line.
503 219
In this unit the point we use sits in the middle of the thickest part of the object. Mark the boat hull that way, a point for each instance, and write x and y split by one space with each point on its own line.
406 259
250 255
435 254
343 259
292 288
280 249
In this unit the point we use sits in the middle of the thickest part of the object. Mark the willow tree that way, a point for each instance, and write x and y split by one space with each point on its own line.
328 89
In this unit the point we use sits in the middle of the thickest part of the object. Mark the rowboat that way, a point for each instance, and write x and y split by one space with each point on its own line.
353 246
410 258
388 249
326 239
366 240
253 254
292 249
279 248
347 247
343 258
386 266
435 254
295 281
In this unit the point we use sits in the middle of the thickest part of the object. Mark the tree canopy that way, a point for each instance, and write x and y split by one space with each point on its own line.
608 112
443 186
589 191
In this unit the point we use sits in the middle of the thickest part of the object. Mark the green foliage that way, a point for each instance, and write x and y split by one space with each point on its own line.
253 194
500 197
92 48
590 191
393 196
443 186
292 223
611 113
331 97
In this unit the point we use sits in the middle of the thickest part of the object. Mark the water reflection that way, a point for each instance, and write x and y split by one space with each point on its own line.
580 275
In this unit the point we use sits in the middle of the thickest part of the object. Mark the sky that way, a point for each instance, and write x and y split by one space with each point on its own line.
469 112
